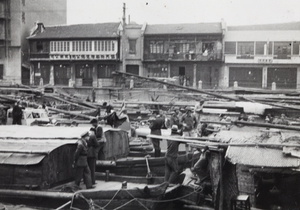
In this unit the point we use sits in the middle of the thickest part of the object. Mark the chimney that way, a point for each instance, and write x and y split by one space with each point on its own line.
40 27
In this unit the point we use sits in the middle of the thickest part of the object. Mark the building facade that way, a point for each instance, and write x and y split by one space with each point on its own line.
17 18
260 56
190 52
75 55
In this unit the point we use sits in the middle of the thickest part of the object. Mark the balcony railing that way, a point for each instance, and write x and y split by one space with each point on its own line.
184 56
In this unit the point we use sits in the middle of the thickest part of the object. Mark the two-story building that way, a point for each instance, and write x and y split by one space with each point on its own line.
75 55
261 55
191 52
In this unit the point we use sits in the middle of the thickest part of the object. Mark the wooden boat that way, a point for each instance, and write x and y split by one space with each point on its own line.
108 195
125 166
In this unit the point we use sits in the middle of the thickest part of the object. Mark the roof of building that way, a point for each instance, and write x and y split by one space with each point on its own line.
185 28
266 27
99 30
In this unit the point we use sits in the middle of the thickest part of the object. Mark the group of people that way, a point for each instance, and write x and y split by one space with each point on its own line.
88 150
182 125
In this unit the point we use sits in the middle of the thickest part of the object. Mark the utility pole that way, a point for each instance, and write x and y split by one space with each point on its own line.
123 40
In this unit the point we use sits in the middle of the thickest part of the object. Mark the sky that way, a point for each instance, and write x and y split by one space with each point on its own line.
234 12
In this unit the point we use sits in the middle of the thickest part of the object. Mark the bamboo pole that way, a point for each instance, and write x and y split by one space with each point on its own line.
179 86
52 109
39 194
68 102
210 143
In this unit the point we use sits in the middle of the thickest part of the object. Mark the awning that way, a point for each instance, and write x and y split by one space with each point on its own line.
260 157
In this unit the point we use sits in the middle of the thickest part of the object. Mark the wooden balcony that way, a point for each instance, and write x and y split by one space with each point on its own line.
39 55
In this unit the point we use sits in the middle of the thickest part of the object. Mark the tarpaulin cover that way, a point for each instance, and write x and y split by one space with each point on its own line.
261 157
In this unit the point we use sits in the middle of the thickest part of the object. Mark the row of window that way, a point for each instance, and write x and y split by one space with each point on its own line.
278 49
82 46
160 47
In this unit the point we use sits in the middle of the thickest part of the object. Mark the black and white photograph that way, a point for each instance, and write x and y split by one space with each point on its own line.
149 104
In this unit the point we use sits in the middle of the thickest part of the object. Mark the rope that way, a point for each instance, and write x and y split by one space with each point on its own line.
137 200
111 199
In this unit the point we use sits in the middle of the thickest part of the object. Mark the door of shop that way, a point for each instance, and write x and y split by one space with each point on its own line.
285 78
245 76
62 74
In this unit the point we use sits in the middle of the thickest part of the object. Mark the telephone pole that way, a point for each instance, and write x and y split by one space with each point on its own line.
123 39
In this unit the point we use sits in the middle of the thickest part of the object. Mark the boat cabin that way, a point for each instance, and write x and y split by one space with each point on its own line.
29 116
36 164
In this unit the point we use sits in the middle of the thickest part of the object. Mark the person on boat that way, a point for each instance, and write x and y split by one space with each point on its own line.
156 123
243 116
189 123
171 157
198 109
175 118
80 163
108 108
92 154
99 136
201 167
17 113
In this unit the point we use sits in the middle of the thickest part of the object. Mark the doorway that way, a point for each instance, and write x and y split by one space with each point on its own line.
132 69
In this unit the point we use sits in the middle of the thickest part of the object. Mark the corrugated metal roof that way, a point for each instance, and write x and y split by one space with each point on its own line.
186 28
28 152
260 157
99 30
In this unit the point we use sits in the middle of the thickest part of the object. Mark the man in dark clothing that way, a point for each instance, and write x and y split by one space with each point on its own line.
80 162
171 157
155 126
99 137
17 114
201 167
92 153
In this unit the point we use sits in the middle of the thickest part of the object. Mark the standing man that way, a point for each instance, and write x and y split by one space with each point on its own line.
92 154
155 126
17 114
175 118
171 157
80 164
198 110
189 123
99 137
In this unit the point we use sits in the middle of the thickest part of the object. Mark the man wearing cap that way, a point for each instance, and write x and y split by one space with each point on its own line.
175 118
92 154
80 162
171 157
189 123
